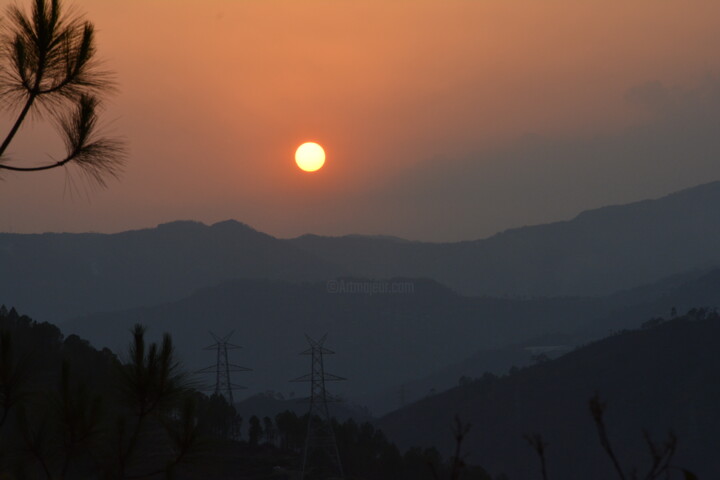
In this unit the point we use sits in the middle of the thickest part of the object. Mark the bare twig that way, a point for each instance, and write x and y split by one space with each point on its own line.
538 444
457 463
597 409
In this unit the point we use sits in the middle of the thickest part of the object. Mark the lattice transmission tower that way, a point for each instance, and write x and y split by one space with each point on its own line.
321 459
223 368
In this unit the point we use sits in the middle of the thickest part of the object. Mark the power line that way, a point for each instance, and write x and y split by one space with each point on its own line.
223 368
321 459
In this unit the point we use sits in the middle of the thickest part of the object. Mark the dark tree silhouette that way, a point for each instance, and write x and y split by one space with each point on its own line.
151 383
290 430
48 68
13 375
255 431
269 430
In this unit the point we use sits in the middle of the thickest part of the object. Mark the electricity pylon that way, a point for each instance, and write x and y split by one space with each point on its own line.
223 368
321 459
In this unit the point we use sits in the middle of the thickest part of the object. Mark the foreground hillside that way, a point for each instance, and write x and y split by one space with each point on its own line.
70 411
661 378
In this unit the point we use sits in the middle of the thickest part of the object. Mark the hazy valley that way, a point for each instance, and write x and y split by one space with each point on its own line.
440 327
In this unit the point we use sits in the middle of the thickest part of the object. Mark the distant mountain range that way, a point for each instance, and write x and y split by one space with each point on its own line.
662 378
55 276
598 252
58 276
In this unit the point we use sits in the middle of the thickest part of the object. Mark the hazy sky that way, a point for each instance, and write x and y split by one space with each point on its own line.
442 119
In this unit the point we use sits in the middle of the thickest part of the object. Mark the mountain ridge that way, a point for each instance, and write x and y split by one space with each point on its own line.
629 370
56 276
596 253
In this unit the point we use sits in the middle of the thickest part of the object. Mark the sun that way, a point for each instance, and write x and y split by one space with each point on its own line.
310 157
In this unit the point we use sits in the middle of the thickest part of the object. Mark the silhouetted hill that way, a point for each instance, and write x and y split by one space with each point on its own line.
602 316
56 276
679 292
598 252
381 339
658 379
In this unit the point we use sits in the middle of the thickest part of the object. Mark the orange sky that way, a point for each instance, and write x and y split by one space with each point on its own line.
216 95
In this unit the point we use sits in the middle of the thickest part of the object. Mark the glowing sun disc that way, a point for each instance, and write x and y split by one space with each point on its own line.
310 157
